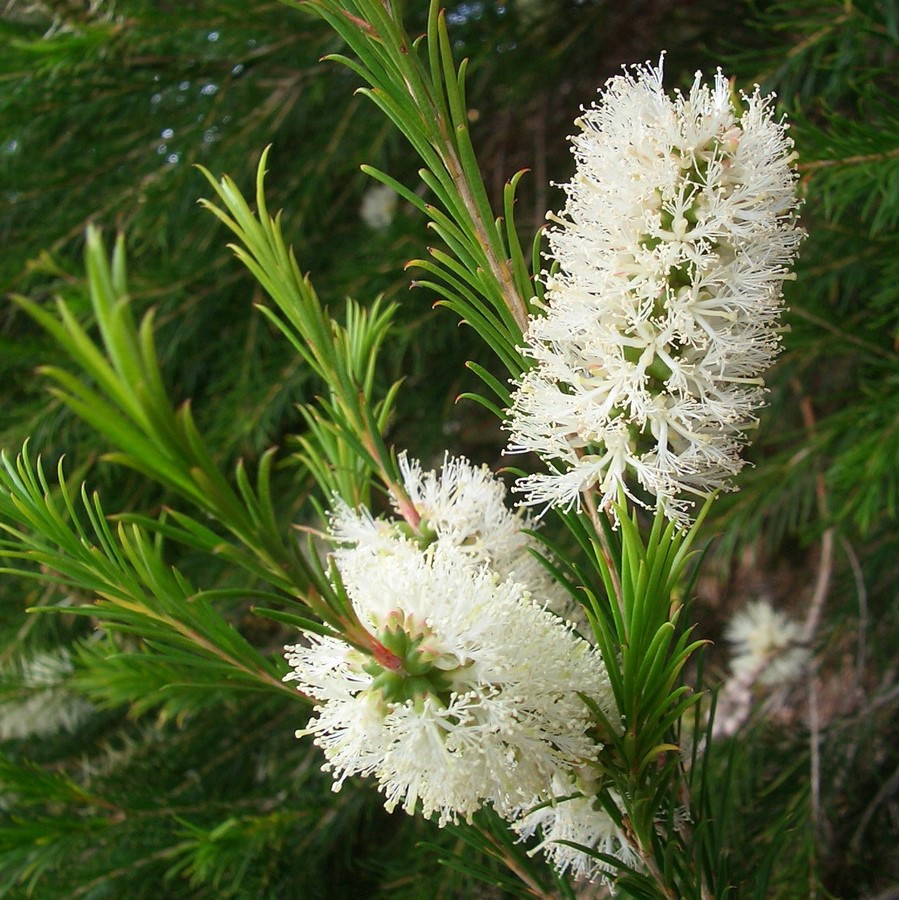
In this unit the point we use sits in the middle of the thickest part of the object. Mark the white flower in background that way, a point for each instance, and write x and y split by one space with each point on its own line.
462 506
573 814
378 207
41 702
473 699
766 645
672 250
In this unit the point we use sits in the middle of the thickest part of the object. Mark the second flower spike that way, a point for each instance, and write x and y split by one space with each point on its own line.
473 691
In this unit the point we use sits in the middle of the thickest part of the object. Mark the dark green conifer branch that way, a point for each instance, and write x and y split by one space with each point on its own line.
344 444
131 408
486 279
124 573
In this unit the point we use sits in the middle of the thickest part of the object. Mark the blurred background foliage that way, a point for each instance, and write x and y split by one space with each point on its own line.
109 787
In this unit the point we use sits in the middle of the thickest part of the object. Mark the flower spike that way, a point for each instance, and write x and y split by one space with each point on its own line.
672 250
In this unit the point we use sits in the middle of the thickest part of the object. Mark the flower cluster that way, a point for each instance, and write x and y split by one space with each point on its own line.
471 696
671 253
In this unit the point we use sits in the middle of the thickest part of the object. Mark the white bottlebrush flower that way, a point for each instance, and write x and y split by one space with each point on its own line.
573 814
473 699
672 249
463 506
766 645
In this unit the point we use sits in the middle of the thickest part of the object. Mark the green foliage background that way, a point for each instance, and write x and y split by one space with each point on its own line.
169 785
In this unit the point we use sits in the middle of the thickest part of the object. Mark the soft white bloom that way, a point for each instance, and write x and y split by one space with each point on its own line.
767 650
573 814
766 645
463 506
42 704
672 250
378 206
473 700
